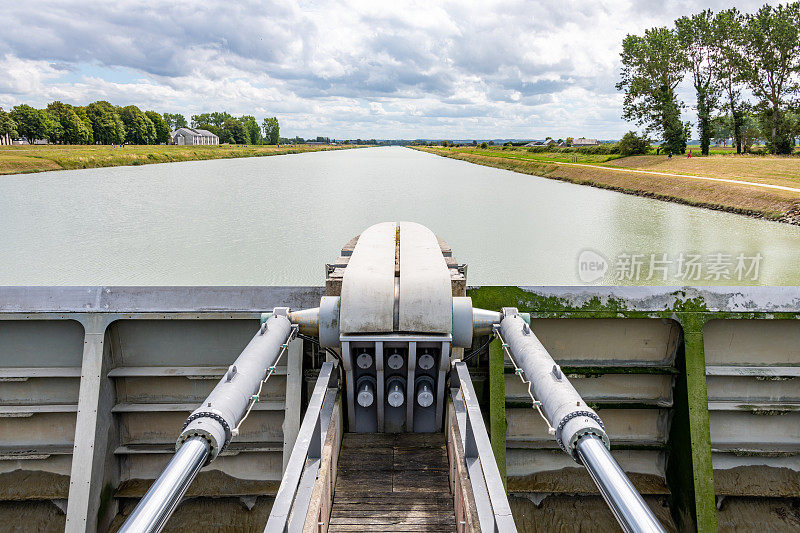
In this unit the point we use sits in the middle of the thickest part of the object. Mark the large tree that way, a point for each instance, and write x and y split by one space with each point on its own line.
652 67
162 129
73 129
271 130
770 44
215 119
7 125
727 36
253 130
107 126
696 36
139 129
175 120
31 123
233 131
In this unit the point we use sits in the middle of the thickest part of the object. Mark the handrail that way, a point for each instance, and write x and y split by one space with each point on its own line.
491 501
294 494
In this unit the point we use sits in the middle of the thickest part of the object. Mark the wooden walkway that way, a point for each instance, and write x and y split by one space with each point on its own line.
392 482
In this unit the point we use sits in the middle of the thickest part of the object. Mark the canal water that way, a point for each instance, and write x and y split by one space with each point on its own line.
277 221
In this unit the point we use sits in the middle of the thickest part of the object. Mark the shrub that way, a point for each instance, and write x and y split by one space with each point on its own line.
484 145
633 144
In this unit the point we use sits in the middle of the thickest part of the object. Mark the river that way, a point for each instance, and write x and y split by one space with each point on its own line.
277 220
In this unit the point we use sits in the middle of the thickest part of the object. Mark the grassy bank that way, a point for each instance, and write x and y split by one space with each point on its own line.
620 174
40 158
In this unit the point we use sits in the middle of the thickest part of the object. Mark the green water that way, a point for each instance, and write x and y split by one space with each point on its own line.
278 220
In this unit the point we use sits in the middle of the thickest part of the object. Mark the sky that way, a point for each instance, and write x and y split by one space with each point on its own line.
368 69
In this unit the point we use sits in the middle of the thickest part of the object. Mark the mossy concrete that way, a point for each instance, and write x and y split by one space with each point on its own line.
690 474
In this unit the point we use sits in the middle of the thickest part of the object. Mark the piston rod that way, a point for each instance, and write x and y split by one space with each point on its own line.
625 502
579 431
210 428
167 491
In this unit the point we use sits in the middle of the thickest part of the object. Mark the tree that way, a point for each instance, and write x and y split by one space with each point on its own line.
696 36
139 129
771 62
73 129
7 125
53 131
31 123
253 131
633 144
484 146
175 121
272 130
652 67
161 127
233 131
87 122
727 30
215 119
722 130
751 132
569 141
107 126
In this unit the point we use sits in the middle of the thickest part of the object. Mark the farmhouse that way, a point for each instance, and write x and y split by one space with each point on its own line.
584 142
191 136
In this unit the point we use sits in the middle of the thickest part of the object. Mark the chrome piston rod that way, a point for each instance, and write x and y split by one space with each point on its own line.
167 491
625 502
578 429
210 428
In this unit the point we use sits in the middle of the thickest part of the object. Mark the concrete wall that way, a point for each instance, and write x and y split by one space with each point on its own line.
697 388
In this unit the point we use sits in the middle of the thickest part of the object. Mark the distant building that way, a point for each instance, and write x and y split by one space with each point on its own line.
535 143
191 136
584 142
5 140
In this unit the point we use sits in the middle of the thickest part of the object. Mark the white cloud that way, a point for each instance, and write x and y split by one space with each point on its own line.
346 69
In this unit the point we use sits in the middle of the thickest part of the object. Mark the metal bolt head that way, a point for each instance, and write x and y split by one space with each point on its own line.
425 396
365 397
396 397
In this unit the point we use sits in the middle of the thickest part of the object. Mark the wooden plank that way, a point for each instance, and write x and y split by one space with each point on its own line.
392 482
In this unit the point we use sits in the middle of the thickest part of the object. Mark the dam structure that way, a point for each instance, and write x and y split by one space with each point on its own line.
396 397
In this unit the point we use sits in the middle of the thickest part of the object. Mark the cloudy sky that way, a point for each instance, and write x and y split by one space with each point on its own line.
397 69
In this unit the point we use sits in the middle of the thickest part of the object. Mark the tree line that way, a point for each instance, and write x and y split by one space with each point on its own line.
744 68
104 123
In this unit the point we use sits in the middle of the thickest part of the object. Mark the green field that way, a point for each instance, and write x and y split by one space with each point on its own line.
40 158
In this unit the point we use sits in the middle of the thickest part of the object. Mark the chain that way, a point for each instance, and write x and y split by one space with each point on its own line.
519 372
257 396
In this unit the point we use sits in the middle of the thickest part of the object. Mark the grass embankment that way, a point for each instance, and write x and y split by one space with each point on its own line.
619 174
40 158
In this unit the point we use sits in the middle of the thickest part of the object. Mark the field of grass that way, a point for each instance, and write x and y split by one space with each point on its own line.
524 155
40 158
614 173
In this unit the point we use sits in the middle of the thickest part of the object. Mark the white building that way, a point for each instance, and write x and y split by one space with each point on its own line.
584 142
191 136
5 139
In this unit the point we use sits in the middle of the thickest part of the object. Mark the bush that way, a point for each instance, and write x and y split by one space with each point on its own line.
484 145
600 149
633 144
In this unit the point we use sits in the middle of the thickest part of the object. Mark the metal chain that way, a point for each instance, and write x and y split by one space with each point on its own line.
257 396
519 372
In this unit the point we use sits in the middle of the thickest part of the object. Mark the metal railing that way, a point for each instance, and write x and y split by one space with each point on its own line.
294 494
491 501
